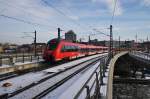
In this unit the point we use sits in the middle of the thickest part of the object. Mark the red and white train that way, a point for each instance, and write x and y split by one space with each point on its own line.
57 50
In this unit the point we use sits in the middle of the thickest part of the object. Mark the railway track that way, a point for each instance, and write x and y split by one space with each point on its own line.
51 88
7 76
53 81
17 73
42 66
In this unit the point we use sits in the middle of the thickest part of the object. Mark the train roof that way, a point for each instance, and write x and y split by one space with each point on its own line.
73 43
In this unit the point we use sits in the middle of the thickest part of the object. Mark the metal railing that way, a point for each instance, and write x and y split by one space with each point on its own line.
21 58
93 91
142 55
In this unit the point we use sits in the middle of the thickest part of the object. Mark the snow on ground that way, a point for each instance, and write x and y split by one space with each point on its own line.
30 93
103 88
29 78
67 65
21 63
56 93
5 59
143 55
27 62
21 81
147 77
4 66
71 91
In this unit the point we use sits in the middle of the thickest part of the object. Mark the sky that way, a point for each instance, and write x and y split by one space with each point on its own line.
20 18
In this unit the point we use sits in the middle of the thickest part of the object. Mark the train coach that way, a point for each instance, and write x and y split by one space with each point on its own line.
57 50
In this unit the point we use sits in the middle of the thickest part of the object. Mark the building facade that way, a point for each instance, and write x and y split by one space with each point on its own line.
70 36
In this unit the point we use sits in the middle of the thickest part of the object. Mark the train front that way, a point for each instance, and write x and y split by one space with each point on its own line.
50 50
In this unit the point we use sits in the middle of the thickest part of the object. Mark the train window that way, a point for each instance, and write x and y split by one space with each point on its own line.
83 50
73 48
76 48
63 49
69 48
52 46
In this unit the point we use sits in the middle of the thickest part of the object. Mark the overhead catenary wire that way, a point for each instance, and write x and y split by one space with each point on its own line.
29 13
33 23
24 21
62 13
93 29
23 10
112 19
17 19
87 27
113 14
99 32
39 24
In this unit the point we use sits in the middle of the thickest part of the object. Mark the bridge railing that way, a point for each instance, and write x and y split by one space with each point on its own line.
142 55
93 85
109 94
11 59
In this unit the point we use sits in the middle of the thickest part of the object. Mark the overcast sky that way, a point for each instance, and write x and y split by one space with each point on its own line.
82 16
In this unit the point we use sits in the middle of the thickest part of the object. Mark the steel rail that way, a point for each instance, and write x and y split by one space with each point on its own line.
41 64
44 79
50 89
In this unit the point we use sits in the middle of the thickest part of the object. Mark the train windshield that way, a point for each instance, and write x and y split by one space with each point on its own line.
52 45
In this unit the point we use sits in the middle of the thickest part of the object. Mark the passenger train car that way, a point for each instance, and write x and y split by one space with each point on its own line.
57 50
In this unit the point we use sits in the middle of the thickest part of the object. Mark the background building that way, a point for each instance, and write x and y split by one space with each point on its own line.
1 48
146 46
123 44
70 36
